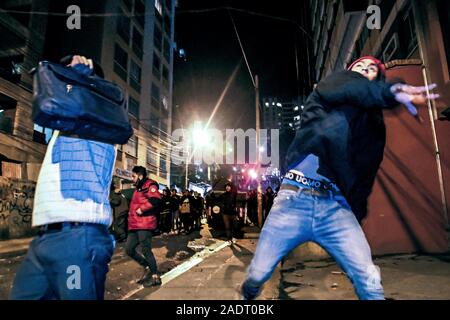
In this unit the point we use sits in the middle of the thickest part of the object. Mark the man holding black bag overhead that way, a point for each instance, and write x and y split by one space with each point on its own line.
69 258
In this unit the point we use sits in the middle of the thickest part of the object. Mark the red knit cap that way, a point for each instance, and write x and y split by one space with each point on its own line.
379 64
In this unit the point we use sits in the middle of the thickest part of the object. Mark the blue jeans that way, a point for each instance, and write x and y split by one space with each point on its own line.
70 264
296 218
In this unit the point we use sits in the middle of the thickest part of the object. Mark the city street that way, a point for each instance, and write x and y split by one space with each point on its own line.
217 270
225 121
169 252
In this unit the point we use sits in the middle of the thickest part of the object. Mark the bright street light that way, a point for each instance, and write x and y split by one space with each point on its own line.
252 173
200 137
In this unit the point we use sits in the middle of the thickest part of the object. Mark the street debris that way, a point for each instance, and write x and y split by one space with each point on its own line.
195 246
180 255
288 269
334 286
318 264
337 273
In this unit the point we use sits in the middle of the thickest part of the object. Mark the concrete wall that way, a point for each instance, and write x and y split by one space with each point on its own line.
16 207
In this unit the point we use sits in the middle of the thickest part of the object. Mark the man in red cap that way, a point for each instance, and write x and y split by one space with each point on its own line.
332 164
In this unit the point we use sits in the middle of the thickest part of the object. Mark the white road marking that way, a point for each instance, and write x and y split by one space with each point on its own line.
185 266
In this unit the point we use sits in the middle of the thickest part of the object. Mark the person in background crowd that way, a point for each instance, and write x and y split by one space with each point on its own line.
186 212
175 209
166 213
252 207
268 198
120 207
229 213
142 220
197 210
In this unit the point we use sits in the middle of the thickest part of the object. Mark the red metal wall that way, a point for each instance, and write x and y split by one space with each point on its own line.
405 208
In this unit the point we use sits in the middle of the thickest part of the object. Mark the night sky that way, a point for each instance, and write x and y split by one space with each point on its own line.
212 53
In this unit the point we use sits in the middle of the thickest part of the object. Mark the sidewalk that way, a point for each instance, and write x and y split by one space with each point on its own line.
218 276
14 246
405 277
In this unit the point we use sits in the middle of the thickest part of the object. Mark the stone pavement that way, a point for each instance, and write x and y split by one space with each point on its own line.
405 277
217 270
216 277
14 246
219 275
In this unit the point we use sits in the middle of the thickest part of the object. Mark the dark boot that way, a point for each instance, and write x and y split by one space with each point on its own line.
147 275
153 281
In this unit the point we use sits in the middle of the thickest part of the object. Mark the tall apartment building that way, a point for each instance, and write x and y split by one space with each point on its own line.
22 145
140 57
133 42
414 42
410 29
131 39
281 115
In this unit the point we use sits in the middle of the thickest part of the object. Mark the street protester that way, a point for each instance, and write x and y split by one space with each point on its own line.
268 198
145 206
229 212
332 164
166 213
68 259
197 211
120 208
175 209
252 207
186 212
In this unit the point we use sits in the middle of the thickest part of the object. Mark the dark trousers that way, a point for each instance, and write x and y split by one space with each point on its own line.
143 238
165 222
228 220
186 220
197 217
69 264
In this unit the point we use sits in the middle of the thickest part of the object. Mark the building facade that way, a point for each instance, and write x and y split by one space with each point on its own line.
22 145
280 115
140 58
133 42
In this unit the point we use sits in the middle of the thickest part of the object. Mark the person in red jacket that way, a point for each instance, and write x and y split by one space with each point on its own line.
142 219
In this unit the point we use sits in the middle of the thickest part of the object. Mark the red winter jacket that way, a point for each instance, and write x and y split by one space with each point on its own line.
148 199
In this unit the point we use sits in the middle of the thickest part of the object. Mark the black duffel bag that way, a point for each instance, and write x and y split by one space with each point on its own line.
87 106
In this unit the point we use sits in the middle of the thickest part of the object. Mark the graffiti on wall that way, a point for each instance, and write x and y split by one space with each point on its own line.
16 207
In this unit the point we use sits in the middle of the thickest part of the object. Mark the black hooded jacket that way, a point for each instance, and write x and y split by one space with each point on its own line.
342 124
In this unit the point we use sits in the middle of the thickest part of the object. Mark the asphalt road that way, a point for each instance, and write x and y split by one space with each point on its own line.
169 252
